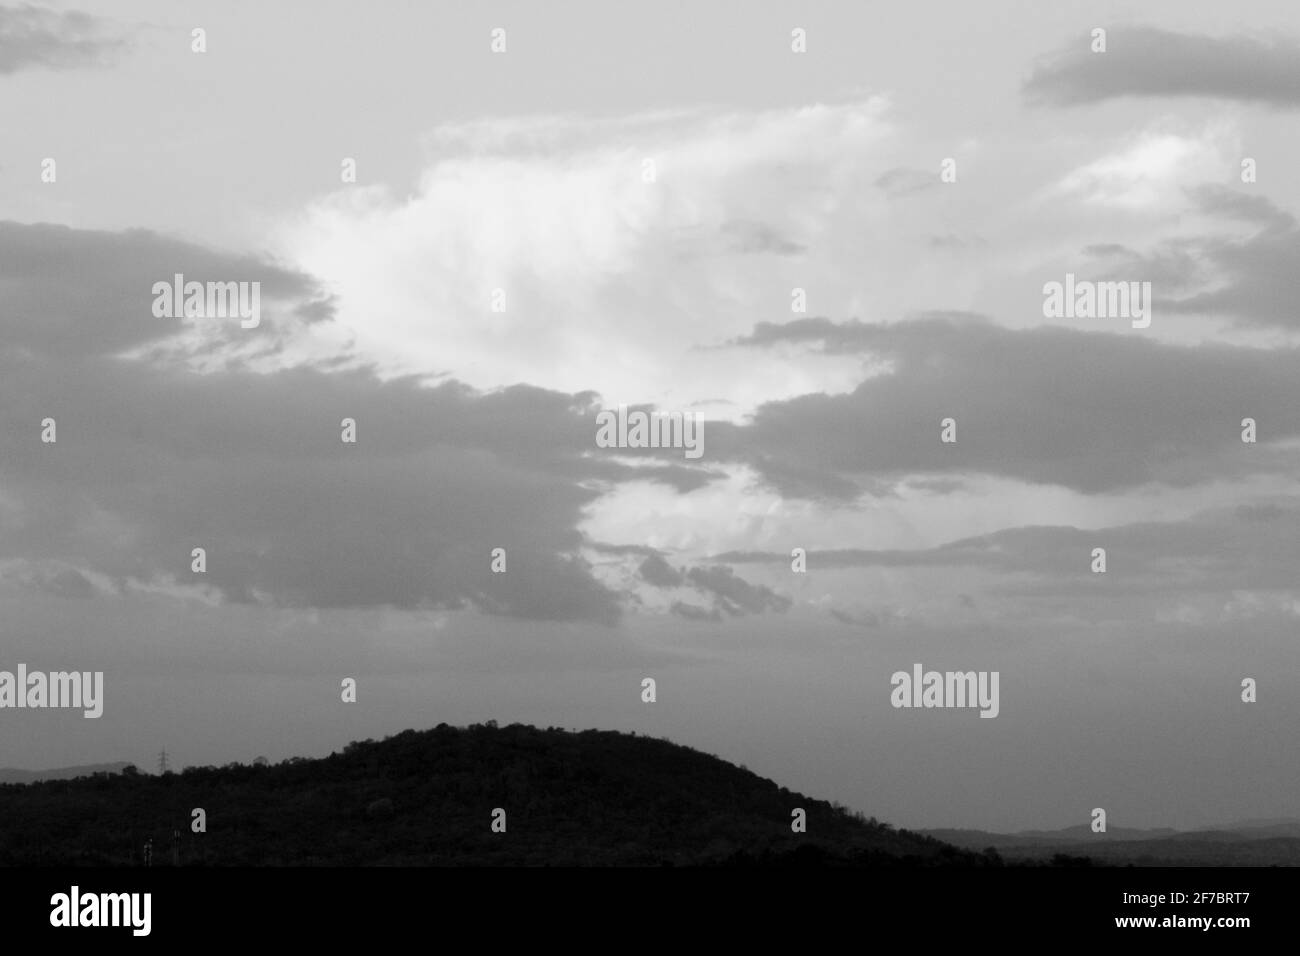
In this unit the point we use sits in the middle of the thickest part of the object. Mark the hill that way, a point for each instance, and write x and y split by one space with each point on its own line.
1251 843
427 798
10 775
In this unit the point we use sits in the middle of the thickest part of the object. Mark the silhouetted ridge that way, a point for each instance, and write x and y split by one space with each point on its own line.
12 775
426 798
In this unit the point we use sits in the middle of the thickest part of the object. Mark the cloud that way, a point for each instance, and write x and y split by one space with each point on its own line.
1256 280
1249 278
693 612
867 618
33 37
733 594
896 183
1253 546
655 570
1218 567
612 282
728 594
1147 61
1093 412
51 577
75 294
754 238
1149 172
154 458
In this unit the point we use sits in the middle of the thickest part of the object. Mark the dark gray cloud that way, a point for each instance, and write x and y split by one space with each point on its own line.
1255 279
748 238
642 550
1249 278
1147 61
78 293
655 570
866 618
896 183
1255 546
251 468
693 612
681 478
728 593
1090 411
33 37
734 595
1219 200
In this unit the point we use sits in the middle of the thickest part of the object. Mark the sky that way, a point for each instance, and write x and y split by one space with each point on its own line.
822 254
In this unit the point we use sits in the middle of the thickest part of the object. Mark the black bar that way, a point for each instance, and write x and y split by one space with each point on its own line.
990 905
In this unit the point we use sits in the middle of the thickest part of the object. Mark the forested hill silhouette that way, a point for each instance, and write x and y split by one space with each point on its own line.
427 798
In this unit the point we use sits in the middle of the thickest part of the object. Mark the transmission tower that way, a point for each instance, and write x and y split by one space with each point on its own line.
163 766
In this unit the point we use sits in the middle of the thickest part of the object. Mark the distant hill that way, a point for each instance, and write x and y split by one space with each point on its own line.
1248 843
1032 838
10 775
427 798
1259 829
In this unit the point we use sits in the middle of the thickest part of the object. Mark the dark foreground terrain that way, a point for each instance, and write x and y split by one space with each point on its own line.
427 798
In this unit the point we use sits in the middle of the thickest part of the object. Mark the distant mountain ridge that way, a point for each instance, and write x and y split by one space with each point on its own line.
12 775
1271 842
